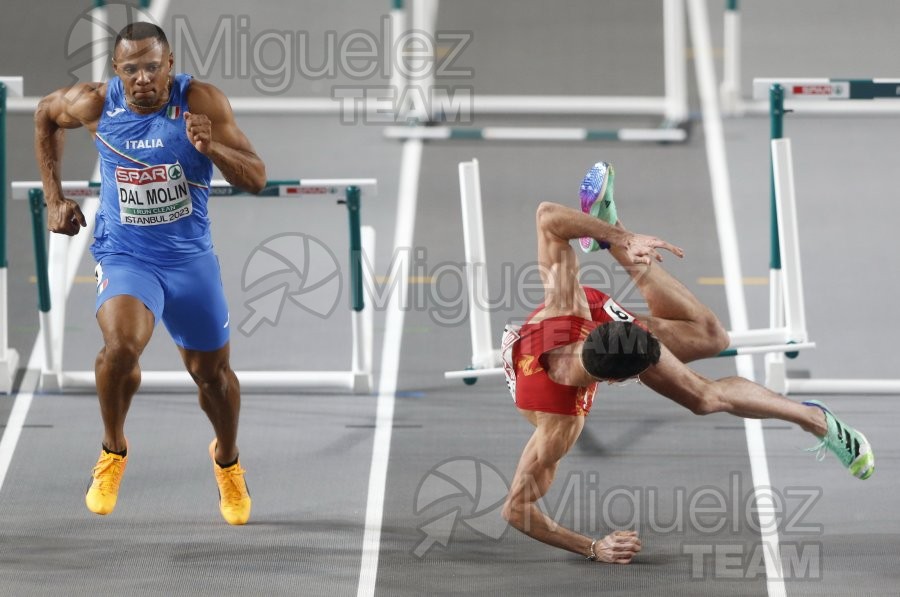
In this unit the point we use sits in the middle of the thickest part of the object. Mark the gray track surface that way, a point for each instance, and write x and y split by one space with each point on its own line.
308 455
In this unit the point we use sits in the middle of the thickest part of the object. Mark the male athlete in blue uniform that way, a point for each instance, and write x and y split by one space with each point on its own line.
158 135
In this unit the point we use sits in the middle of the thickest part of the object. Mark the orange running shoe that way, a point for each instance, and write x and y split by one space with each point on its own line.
234 499
103 492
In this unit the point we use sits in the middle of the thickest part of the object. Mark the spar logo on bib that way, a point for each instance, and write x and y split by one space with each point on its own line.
154 195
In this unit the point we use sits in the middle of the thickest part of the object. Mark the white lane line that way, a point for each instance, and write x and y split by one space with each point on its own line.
20 409
390 365
734 291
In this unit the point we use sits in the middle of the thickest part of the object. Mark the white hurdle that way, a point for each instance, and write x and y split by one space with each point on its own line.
483 352
790 337
510 133
731 94
9 357
787 310
673 106
65 253
791 301
485 358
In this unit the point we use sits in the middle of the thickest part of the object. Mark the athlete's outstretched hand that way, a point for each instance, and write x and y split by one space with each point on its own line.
619 547
65 217
643 249
199 131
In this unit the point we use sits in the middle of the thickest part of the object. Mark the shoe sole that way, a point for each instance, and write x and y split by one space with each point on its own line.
590 200
864 465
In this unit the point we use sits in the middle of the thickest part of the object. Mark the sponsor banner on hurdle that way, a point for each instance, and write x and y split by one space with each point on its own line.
297 188
76 189
829 89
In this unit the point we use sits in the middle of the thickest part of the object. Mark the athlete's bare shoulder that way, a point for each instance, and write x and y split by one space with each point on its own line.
206 98
75 106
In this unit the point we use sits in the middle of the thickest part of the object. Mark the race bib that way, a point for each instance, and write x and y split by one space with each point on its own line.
616 312
152 196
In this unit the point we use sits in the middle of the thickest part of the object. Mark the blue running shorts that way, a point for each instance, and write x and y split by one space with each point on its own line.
187 297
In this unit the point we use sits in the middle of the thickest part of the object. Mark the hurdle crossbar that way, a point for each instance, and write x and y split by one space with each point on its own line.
829 89
330 187
672 106
442 133
476 372
56 273
9 357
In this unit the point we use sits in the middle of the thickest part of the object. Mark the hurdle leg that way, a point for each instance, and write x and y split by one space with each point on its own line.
36 203
363 320
79 243
730 90
424 19
483 353
788 234
58 273
9 358
397 83
674 38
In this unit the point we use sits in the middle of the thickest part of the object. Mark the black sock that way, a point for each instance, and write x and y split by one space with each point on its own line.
123 453
229 464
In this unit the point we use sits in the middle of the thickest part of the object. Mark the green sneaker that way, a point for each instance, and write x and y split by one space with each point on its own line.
849 445
596 195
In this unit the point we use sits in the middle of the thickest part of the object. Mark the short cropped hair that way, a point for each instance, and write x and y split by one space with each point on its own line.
141 30
619 350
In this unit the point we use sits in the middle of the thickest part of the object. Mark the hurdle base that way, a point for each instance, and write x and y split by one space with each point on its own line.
843 386
474 373
251 381
362 383
8 368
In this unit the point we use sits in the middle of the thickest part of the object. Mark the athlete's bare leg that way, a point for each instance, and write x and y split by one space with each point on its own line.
734 395
127 326
685 325
220 396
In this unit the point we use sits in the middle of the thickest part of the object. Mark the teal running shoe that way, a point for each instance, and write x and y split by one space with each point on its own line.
597 200
849 445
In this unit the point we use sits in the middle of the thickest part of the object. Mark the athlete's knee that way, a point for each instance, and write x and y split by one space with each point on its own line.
515 510
119 356
712 333
215 378
718 335
709 399
545 210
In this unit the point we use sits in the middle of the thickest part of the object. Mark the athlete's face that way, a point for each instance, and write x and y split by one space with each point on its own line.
144 65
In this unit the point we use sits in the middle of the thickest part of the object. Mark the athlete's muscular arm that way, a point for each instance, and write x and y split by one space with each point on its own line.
68 108
556 226
553 438
211 127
